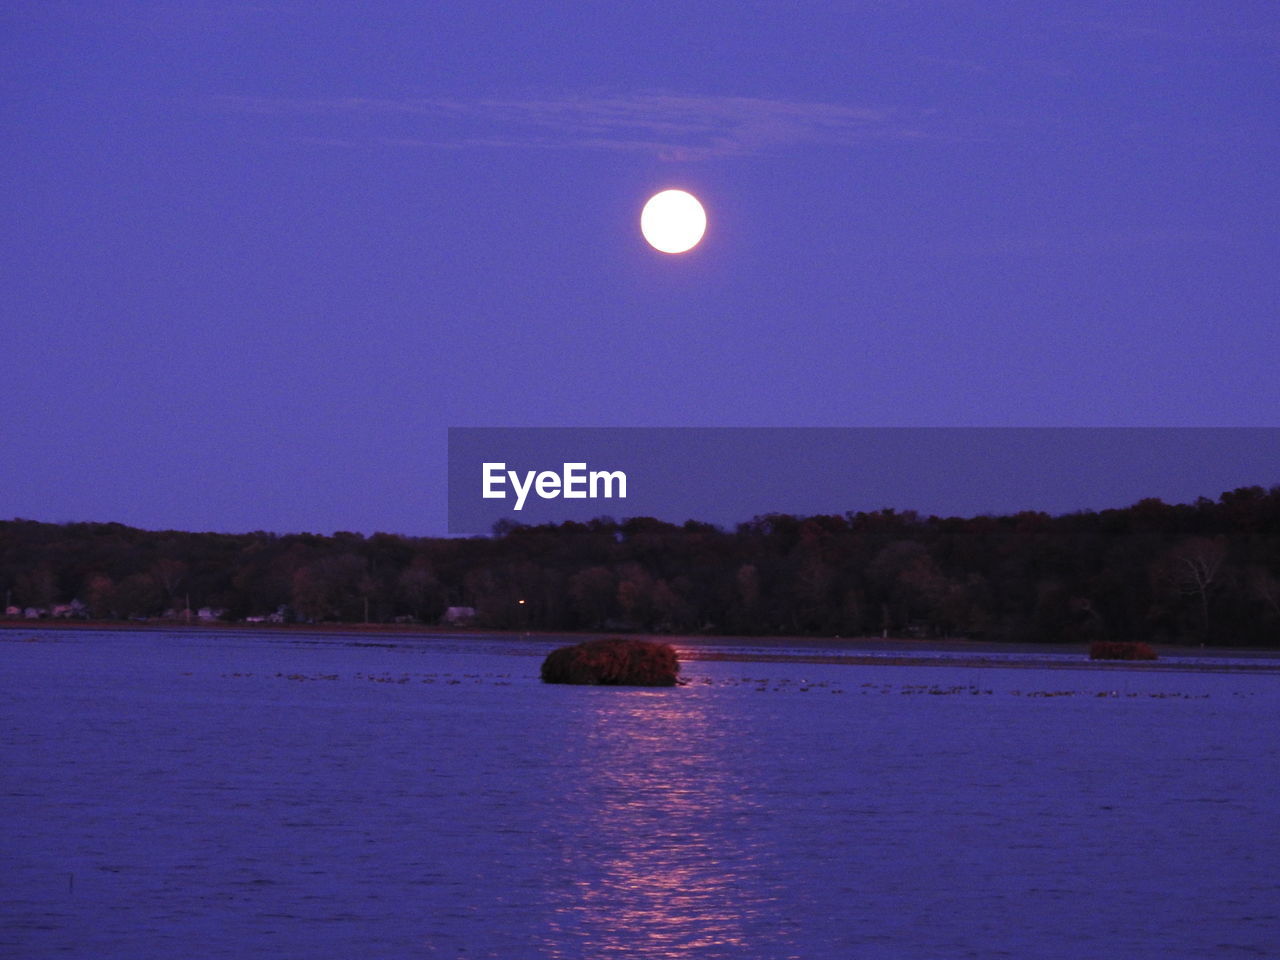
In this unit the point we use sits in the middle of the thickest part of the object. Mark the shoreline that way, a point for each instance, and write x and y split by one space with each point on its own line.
867 651
1239 664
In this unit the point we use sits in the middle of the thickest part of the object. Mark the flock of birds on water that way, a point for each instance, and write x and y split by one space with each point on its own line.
758 684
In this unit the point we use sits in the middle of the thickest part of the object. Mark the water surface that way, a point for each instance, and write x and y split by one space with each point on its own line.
315 796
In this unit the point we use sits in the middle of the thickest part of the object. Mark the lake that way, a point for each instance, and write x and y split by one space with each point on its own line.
231 794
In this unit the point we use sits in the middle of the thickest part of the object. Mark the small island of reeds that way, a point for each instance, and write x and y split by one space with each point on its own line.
1117 650
613 661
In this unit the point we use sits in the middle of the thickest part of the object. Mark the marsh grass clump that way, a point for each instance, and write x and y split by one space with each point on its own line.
1117 650
613 662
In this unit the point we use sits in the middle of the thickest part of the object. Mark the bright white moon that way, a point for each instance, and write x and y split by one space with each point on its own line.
673 221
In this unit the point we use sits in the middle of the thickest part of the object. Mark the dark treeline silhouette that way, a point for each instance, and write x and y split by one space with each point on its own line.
1207 572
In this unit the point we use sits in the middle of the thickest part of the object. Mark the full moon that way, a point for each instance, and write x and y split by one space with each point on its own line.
673 221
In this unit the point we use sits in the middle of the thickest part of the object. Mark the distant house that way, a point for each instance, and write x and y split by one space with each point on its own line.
66 611
13 611
278 617
458 616
35 613
209 614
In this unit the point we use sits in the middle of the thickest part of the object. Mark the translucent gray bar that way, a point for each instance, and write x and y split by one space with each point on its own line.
727 475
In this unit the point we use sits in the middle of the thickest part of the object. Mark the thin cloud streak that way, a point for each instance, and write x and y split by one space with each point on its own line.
668 126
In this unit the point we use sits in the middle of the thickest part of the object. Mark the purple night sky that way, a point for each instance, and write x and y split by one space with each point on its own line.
259 256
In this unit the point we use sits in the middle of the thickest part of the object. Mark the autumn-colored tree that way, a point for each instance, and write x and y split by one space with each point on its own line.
36 588
422 592
100 596
138 596
593 596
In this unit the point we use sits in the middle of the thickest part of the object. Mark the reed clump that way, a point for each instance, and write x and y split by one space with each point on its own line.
1119 650
613 661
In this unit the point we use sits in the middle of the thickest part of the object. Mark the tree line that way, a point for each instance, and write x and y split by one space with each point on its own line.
1206 572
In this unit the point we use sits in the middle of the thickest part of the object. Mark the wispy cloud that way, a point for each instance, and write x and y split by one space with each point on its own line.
664 125
1201 33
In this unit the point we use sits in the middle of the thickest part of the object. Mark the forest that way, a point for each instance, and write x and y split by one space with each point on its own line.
1207 572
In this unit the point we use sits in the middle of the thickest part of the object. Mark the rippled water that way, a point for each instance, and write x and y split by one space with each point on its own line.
234 795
